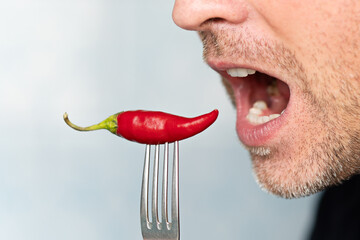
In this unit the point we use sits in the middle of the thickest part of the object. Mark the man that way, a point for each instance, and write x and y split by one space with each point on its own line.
292 68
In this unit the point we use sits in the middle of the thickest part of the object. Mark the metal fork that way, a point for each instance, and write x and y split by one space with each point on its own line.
155 228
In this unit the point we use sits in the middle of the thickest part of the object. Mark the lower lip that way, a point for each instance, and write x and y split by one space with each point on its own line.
249 134
258 135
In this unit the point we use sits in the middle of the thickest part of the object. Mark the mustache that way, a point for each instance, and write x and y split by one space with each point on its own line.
242 45
210 42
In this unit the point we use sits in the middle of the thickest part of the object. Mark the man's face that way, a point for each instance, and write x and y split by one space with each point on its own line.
306 54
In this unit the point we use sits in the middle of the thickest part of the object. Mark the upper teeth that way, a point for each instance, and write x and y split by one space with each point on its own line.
240 72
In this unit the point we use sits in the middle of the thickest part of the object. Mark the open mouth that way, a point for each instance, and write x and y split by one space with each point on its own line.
262 104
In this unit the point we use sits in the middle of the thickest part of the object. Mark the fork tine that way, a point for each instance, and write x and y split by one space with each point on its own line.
175 187
155 218
164 212
154 229
144 214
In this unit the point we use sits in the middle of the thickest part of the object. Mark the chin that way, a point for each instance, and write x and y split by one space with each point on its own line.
290 172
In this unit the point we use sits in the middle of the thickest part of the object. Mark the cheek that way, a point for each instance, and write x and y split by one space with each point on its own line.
321 29
289 20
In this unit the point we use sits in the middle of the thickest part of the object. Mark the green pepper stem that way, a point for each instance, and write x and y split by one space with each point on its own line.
110 124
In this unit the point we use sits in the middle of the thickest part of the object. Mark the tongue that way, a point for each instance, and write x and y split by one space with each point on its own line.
283 89
279 101
276 98
277 104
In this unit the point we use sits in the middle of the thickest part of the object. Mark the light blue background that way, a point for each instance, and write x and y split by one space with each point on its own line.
93 58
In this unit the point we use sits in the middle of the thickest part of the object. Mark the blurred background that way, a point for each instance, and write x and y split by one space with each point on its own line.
93 58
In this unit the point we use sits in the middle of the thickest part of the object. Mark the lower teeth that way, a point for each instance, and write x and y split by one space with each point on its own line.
254 115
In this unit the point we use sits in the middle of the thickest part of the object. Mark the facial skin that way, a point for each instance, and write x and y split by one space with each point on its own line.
314 47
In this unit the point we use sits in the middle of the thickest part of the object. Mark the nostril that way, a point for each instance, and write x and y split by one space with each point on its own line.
210 21
216 19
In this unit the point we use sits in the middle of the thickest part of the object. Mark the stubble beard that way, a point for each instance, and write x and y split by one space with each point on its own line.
293 169
328 163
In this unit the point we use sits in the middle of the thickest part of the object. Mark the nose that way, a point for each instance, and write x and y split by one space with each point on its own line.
191 14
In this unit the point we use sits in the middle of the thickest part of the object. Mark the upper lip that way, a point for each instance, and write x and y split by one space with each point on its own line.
222 66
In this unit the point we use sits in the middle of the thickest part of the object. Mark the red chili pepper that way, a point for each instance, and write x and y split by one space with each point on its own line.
151 127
